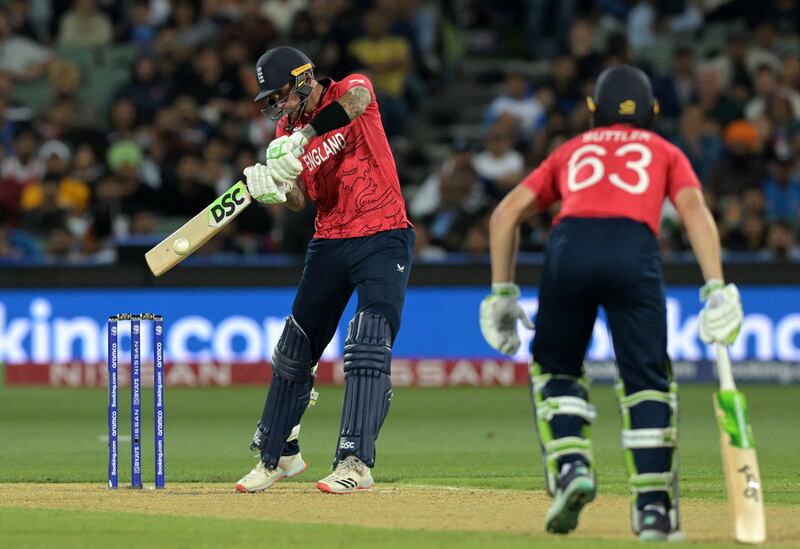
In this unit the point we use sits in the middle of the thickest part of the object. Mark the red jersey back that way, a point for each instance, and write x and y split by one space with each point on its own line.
613 171
350 173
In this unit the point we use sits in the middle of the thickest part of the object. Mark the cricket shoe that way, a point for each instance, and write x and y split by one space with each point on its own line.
574 489
350 475
261 477
654 524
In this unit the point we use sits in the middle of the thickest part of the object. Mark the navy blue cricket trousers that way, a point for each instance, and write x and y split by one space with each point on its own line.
376 266
613 263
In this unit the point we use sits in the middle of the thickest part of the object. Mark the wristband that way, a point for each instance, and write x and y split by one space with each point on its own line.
710 285
505 289
330 118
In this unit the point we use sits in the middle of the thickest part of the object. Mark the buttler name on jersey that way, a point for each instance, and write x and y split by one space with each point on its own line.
319 154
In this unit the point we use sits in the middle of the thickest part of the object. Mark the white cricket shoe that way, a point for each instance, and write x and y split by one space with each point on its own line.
350 475
261 478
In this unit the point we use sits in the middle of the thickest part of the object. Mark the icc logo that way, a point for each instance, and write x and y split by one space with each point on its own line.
159 330
113 330
135 329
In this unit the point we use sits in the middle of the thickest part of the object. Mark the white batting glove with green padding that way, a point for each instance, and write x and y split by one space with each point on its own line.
721 318
282 157
499 315
263 187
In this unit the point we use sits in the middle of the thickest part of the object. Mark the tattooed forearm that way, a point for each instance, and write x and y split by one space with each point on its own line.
355 101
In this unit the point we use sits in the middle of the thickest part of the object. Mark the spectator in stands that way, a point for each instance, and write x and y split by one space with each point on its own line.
282 13
749 236
677 88
740 167
386 57
72 194
711 95
20 56
107 216
782 189
565 85
147 89
428 196
65 82
23 167
582 48
141 29
519 101
781 244
217 173
734 60
14 112
85 26
85 166
17 171
122 121
767 86
251 28
186 193
450 222
204 79
50 210
763 48
702 147
192 129
19 17
191 29
546 26
61 245
127 158
499 165
476 241
15 244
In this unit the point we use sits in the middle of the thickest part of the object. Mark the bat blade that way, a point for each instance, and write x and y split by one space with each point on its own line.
742 475
199 230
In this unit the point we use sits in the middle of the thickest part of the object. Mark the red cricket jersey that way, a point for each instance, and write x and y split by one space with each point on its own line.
350 173
613 171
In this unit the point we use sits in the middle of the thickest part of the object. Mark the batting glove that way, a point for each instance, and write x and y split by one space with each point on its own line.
282 156
721 318
262 186
499 314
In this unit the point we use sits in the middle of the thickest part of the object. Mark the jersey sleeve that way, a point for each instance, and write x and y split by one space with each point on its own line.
353 81
681 175
543 181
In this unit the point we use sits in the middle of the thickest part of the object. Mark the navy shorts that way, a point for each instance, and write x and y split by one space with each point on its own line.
376 266
613 263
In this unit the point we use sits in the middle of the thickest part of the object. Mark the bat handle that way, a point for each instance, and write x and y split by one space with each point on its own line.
726 382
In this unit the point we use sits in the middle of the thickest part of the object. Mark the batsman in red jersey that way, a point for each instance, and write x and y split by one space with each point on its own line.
330 148
611 182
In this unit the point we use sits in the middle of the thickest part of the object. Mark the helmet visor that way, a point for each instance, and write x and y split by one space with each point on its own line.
276 102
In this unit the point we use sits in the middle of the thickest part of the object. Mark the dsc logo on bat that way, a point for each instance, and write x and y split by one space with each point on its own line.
227 206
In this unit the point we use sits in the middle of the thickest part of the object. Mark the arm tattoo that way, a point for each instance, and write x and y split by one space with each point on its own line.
355 101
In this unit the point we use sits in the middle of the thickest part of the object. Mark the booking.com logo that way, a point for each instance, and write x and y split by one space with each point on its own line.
760 338
38 333
42 337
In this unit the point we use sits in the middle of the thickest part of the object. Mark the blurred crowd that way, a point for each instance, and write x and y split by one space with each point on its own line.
120 120
726 75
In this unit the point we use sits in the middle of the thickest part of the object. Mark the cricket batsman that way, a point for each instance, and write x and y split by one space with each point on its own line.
331 149
611 182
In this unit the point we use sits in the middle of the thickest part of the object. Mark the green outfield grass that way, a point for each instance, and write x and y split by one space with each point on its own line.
464 437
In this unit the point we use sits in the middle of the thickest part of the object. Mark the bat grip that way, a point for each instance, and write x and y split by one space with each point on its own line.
726 382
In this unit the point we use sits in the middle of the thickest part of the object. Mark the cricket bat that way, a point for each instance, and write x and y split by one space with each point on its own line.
742 476
198 230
